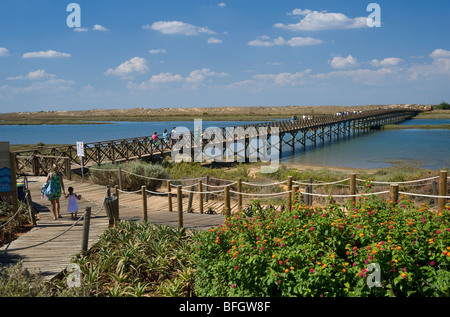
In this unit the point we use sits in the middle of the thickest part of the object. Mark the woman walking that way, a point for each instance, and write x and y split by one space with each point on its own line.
58 184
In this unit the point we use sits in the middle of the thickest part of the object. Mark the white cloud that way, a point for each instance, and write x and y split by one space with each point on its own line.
440 53
198 76
260 82
343 62
192 81
51 86
360 76
177 27
222 4
34 75
134 65
4 51
157 51
317 21
45 54
156 80
98 27
440 66
80 29
213 40
389 61
293 42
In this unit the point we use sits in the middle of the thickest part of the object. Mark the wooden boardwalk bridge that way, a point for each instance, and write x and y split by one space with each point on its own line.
289 133
48 247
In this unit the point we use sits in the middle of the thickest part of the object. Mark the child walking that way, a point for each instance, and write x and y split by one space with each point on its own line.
72 206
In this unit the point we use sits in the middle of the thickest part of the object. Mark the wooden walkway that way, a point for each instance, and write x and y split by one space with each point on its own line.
48 258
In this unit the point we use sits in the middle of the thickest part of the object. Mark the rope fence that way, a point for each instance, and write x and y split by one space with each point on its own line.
229 188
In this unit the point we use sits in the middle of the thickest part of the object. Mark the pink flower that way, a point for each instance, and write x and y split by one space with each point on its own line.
233 286
236 267
311 270
432 263
311 229
296 217
262 248
438 231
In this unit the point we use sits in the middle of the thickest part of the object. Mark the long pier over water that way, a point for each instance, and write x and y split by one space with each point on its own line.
289 133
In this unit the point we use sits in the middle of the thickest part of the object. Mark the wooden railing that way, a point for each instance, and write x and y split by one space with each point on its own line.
38 161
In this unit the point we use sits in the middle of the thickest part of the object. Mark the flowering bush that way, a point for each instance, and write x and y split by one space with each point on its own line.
327 251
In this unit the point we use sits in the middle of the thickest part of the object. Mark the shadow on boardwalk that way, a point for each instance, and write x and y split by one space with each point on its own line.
49 246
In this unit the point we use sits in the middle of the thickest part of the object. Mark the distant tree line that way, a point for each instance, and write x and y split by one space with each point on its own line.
443 105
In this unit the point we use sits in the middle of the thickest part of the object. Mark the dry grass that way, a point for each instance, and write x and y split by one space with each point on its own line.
168 114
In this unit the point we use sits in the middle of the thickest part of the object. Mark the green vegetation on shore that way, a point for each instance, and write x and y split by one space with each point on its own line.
421 126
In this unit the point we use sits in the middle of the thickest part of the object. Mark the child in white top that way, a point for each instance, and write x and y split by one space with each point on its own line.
72 206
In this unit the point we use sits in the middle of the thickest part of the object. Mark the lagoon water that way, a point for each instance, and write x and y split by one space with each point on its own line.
427 148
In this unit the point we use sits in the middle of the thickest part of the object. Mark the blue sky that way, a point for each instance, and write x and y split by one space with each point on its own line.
195 53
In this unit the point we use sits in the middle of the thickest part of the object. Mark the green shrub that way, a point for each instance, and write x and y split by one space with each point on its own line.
16 281
443 105
326 251
134 175
136 259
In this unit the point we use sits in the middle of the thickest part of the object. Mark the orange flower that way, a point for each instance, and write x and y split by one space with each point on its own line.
403 275
286 271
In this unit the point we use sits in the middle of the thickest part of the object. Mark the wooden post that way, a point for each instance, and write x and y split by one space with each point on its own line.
169 196
200 196
86 224
309 190
191 198
30 206
239 189
180 207
227 200
393 193
442 189
68 169
116 191
144 203
119 172
207 188
353 186
289 194
35 166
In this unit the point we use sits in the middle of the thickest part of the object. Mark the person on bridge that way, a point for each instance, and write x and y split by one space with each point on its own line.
165 136
155 138
58 183
72 206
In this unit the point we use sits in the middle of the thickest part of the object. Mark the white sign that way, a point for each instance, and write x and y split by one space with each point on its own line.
80 149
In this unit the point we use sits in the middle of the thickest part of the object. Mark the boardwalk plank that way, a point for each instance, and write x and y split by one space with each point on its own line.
50 258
